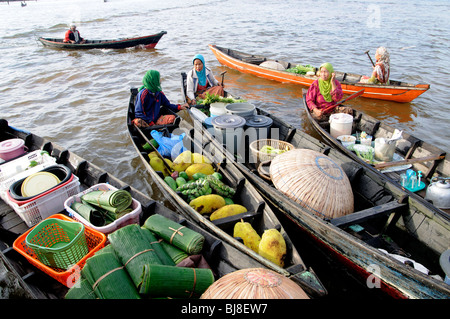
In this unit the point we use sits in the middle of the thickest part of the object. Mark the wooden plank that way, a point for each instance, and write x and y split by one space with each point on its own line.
366 214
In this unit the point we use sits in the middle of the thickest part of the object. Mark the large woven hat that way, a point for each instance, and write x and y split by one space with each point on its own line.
313 180
254 283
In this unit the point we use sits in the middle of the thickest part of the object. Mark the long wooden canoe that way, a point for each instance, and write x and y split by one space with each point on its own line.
149 42
385 217
259 213
27 281
249 63
410 153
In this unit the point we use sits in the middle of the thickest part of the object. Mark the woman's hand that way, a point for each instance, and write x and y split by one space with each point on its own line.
317 112
184 106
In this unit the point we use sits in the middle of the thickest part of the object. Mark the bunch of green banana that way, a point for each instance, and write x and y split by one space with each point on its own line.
195 189
219 187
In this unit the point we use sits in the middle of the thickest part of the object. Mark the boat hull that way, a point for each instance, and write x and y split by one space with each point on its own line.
380 92
148 42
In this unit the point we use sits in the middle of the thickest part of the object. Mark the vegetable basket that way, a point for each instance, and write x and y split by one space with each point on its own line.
259 156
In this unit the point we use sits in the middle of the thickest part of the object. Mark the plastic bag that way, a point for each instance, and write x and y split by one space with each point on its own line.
169 146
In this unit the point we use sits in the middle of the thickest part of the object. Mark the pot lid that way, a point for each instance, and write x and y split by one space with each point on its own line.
228 121
38 183
11 144
259 121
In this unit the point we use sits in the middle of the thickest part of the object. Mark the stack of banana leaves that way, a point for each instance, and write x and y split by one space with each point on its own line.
143 262
101 208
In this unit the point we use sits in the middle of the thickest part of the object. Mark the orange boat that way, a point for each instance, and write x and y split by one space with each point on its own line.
272 69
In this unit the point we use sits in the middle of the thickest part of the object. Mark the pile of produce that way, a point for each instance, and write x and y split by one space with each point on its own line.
213 98
146 262
302 69
206 192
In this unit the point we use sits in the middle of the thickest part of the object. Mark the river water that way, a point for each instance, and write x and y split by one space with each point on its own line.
79 99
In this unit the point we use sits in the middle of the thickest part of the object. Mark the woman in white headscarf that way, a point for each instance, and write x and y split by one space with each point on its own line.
381 70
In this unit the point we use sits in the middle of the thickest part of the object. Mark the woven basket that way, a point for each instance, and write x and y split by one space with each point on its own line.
255 147
254 283
313 180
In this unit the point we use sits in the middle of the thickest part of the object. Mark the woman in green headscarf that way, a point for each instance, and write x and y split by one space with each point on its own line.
149 101
324 93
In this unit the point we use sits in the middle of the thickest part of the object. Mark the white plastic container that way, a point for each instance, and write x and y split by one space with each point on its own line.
130 218
245 110
217 108
35 211
340 124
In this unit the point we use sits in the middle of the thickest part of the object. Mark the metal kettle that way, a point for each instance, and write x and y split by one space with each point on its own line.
438 192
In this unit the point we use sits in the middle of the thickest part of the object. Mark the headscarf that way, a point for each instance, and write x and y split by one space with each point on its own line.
325 85
201 74
151 81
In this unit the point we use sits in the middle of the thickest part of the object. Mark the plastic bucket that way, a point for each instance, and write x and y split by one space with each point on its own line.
229 129
340 124
12 148
217 108
244 110
257 127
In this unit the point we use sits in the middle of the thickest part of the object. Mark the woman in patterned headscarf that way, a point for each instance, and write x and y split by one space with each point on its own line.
324 93
200 80
381 70
149 101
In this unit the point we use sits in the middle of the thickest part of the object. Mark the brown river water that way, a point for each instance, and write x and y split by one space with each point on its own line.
79 99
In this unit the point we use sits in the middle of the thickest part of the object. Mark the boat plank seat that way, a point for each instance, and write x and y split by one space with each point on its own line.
253 59
366 214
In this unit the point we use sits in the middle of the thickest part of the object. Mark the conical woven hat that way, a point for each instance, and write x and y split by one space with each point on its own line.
254 283
313 180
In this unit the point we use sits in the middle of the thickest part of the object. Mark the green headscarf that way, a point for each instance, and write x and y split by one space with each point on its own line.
325 85
151 81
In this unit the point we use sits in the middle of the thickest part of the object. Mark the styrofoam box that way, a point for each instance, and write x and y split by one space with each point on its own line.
130 218
35 211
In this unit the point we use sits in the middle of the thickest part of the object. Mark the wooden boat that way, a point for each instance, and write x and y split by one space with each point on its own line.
149 42
27 281
385 217
249 63
259 214
410 153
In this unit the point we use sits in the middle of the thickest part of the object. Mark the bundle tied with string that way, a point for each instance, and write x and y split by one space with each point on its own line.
175 234
254 283
313 180
134 248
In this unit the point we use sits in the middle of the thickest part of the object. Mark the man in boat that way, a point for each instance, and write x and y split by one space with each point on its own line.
73 35
201 80
324 93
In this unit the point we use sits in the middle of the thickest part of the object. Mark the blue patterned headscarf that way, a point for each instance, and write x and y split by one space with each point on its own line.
201 74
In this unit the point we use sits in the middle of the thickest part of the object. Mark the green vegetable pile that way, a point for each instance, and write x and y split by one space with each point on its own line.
302 69
212 98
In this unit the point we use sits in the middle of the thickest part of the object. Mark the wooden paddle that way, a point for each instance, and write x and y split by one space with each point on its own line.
348 98
367 52
409 161
154 148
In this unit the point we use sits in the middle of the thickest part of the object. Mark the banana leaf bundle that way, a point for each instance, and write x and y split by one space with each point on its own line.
81 290
175 253
175 234
95 216
114 201
135 251
177 282
108 278
157 245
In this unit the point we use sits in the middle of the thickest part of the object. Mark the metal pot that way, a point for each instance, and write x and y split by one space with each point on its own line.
439 192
